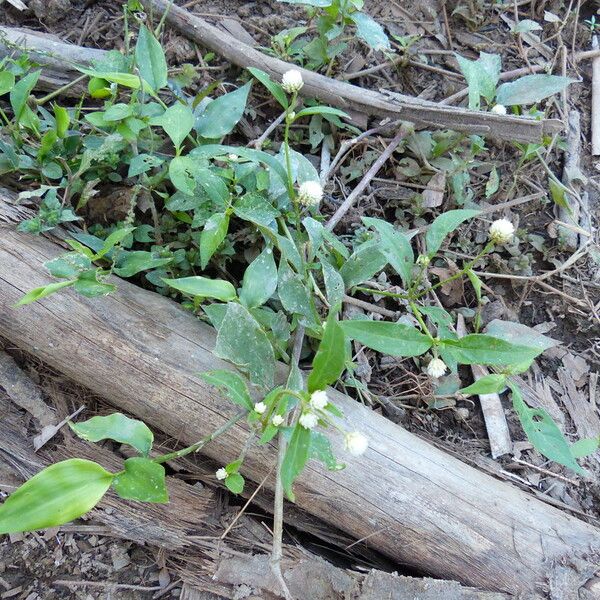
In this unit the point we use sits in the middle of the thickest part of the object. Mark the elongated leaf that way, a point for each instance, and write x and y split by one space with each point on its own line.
370 31
20 93
330 360
443 225
362 265
150 59
182 172
42 292
203 287
483 349
275 89
231 385
489 384
177 121
256 209
395 246
294 295
58 494
482 76
132 263
242 341
127 80
317 3
260 280
62 118
522 335
395 339
295 458
531 89
334 284
585 447
142 480
321 110
117 427
320 449
543 432
212 236
222 114
116 237
7 82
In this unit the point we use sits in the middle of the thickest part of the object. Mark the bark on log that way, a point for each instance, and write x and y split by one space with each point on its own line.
414 503
346 96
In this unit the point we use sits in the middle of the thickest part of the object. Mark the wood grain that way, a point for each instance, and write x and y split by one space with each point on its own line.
414 503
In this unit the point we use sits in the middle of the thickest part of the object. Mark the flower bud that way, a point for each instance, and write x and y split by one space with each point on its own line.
436 368
423 260
260 408
277 420
356 443
292 81
310 193
221 474
499 109
501 231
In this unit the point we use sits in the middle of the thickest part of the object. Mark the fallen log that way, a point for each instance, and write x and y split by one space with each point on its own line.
412 502
351 97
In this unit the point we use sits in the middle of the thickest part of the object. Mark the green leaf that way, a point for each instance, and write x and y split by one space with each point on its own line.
62 118
362 265
260 280
177 122
142 480
127 80
212 236
116 237
42 292
58 494
443 225
585 447
395 246
321 110
242 341
132 263
117 427
222 114
489 384
475 282
203 287
330 360
559 195
150 59
118 112
320 449
316 3
531 89
294 295
483 349
370 31
395 339
182 171
522 335
7 82
491 187
88 285
256 209
275 89
543 432
142 163
482 76
295 458
334 284
235 483
231 385
20 93
68 266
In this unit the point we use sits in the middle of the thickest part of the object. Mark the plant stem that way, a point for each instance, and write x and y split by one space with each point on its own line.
60 90
415 310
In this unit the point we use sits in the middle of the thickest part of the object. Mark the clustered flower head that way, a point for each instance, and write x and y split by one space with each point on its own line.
356 443
501 231
436 368
310 193
277 420
260 407
308 420
221 474
499 109
318 400
292 81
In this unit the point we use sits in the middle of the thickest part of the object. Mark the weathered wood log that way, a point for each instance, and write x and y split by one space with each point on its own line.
414 503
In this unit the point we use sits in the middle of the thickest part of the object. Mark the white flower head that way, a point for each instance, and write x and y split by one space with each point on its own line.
356 443
232 157
308 420
292 81
318 400
260 407
436 368
499 109
221 474
310 193
501 231
277 420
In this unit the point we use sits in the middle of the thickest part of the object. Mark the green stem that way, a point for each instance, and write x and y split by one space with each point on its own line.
60 90
415 310
288 158
382 293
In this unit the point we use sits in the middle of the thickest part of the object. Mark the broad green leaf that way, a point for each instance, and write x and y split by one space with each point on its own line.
483 349
118 112
231 385
321 110
62 118
443 225
222 114
489 384
559 195
20 93
395 339
212 236
256 209
320 449
438 315
330 360
88 285
295 458
58 494
7 82
334 284
316 3
182 171
150 59
117 427
275 89
543 432
482 76
116 237
395 246
42 292
370 31
531 89
142 163
142 480
132 263
260 280
214 186
585 447
127 80
365 262
68 266
294 295
177 122
235 483
242 341
522 335
203 287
